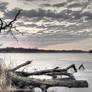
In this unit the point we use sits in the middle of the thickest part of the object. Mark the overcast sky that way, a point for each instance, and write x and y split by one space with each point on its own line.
49 24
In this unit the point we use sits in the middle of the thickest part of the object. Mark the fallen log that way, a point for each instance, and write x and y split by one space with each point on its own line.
20 79
52 74
48 71
21 65
22 82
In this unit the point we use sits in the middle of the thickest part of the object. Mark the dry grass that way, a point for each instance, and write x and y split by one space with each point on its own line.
5 85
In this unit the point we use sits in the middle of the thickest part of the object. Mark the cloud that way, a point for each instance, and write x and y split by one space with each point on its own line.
67 13
3 6
46 5
75 5
45 13
55 23
11 14
49 17
46 39
60 4
27 25
55 5
27 0
33 13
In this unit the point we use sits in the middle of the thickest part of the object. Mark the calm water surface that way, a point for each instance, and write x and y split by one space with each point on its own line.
51 60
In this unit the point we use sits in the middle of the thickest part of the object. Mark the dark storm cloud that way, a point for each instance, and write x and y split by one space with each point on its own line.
3 6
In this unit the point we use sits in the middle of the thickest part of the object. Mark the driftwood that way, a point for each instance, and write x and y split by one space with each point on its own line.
19 66
23 80
54 71
81 67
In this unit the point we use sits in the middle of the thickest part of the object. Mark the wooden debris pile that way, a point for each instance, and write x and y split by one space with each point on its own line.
22 80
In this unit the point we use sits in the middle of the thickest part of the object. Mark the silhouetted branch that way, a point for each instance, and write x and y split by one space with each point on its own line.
81 67
9 26
72 66
11 22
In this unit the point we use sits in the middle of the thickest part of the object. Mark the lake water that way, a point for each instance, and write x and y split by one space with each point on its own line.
52 60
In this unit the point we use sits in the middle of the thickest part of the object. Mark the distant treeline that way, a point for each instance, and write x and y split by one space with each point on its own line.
26 50
90 51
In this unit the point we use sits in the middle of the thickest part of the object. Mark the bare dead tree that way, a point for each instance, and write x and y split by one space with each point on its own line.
10 25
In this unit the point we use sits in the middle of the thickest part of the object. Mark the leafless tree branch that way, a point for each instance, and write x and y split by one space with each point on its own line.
9 26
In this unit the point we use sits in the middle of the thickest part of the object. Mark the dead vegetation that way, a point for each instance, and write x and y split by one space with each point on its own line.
12 79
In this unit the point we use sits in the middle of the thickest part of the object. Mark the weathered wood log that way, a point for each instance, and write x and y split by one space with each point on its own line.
44 72
21 65
21 79
52 74
69 75
21 82
41 72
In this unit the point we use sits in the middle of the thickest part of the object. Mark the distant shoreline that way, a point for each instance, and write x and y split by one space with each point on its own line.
28 50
